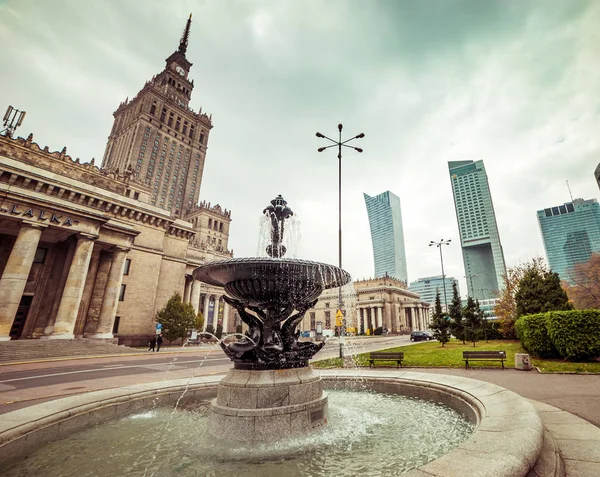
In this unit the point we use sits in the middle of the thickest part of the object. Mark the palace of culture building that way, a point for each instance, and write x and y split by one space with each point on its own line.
96 252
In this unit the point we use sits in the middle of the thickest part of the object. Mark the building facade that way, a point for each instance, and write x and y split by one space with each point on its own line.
376 302
428 287
387 235
571 233
95 253
157 137
479 238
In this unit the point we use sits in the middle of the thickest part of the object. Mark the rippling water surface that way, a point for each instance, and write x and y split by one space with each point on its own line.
368 434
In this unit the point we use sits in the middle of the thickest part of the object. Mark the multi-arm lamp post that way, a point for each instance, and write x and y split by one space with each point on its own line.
439 245
339 144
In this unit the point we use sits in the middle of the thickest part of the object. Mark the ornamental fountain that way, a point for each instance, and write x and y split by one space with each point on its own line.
271 391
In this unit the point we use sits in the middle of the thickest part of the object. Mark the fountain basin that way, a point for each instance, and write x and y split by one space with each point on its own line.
507 440
262 281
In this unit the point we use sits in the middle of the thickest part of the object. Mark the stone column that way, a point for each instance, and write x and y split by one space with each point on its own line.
14 277
187 288
205 312
70 301
108 310
225 317
87 293
195 295
380 315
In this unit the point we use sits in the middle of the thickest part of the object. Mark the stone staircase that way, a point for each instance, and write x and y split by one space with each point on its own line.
31 350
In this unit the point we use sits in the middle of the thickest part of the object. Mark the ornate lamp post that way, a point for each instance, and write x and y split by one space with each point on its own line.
339 144
439 245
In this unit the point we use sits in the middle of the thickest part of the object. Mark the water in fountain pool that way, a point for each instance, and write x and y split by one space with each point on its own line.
368 434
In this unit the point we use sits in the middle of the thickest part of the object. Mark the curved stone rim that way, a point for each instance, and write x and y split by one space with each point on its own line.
209 272
507 441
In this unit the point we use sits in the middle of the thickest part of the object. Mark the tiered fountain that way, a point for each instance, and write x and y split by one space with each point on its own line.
271 391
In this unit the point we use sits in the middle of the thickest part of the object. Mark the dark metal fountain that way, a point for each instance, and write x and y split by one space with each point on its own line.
271 296
271 392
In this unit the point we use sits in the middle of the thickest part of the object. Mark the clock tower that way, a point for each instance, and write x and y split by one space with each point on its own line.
160 139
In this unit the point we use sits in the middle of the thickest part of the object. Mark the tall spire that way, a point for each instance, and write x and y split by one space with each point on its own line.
183 43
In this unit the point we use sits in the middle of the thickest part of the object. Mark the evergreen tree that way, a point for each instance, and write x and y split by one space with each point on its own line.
540 291
472 320
485 325
177 318
457 326
439 322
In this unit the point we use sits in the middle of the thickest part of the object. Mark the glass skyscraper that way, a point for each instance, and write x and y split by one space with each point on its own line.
481 248
428 287
571 233
387 235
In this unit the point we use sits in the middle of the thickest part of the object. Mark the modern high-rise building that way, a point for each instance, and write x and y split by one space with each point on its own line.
428 287
387 235
482 251
571 233
158 138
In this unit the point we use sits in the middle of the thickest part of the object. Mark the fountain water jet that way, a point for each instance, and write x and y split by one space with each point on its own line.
271 391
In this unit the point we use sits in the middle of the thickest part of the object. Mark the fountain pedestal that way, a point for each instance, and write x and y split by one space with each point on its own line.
268 405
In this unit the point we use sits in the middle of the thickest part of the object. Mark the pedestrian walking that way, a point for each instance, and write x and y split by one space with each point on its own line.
152 344
158 342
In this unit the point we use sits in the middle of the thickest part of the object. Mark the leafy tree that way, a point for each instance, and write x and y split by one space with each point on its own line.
457 325
472 317
584 289
506 307
440 324
540 291
177 318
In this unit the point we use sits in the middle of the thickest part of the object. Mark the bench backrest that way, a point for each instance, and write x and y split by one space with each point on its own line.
484 354
390 355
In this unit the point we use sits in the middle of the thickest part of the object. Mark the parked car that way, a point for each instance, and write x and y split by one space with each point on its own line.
421 336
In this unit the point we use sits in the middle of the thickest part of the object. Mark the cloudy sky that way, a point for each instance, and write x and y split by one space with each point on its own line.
515 83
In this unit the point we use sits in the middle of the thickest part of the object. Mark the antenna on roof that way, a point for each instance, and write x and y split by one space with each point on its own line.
13 118
569 190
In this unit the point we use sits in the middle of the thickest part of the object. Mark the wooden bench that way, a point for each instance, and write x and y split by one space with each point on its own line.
386 356
484 356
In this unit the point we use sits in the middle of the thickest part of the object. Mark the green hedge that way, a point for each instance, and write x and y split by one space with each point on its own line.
532 330
575 334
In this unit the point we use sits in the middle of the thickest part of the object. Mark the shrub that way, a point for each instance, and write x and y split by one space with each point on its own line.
532 330
378 330
575 334
210 329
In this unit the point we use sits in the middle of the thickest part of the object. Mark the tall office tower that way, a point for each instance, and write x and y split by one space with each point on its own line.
160 139
571 233
428 287
385 219
482 252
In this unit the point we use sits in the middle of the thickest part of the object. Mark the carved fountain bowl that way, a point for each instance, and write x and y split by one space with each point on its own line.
272 281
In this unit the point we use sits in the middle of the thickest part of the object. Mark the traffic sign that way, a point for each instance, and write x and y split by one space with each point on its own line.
158 326
339 318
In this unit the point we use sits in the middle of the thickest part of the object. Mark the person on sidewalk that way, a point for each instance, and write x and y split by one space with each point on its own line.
152 344
158 343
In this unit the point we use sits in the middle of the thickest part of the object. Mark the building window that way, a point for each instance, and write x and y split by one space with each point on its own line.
170 121
127 266
152 109
116 325
122 292
328 320
327 305
209 223
313 321
40 255
221 227
136 195
163 114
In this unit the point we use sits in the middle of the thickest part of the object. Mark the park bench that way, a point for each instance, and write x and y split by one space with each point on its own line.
484 356
386 356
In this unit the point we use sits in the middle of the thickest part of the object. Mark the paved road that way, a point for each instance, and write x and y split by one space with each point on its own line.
31 383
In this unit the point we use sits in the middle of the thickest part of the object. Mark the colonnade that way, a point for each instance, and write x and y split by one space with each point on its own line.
410 317
219 313
62 324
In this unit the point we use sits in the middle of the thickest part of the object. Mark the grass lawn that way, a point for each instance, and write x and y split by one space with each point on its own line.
431 354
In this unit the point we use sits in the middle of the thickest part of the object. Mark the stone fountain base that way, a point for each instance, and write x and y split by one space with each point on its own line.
268 405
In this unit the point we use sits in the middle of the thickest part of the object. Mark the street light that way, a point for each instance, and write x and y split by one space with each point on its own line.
339 143
439 245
